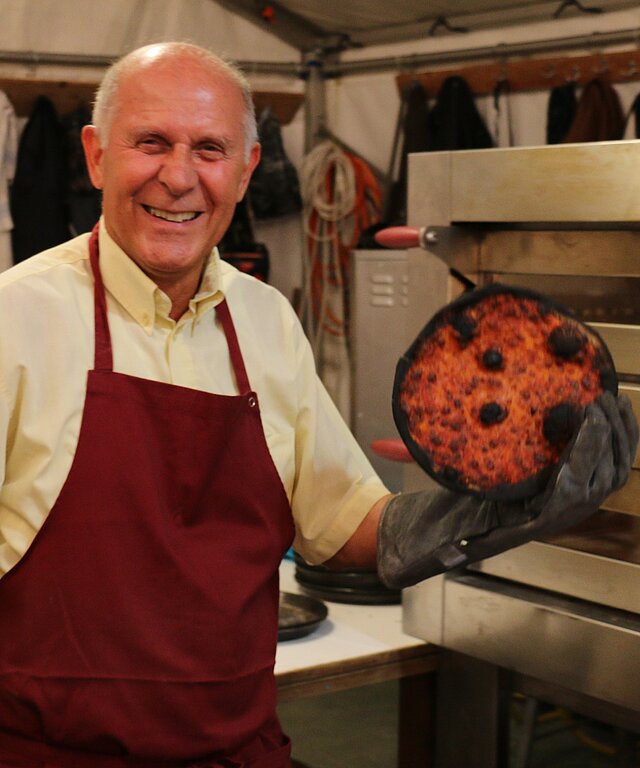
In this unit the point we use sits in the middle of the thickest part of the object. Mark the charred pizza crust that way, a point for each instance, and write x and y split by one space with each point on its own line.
490 393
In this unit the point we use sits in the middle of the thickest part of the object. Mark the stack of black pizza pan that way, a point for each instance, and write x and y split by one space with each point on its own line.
356 586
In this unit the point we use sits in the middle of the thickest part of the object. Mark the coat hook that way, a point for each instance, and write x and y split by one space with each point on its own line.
442 21
575 74
575 4
602 67
502 61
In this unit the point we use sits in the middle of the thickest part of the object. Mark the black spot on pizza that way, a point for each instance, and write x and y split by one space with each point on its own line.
559 423
492 359
492 413
464 326
566 341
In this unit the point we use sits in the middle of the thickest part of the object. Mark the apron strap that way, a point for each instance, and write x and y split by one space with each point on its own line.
103 354
242 380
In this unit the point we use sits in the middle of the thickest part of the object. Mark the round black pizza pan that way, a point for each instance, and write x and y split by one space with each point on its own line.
359 586
508 492
352 595
299 615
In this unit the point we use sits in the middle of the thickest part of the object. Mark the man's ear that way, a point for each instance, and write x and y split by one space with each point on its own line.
93 153
254 159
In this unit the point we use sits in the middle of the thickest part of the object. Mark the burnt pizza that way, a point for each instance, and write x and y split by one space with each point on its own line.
491 392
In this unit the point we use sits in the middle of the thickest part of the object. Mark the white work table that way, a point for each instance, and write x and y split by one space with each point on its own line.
359 645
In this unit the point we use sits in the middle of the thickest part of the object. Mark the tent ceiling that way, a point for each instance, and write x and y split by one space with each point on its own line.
337 24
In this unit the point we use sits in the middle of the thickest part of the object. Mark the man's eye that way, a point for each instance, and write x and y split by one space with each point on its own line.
150 143
209 151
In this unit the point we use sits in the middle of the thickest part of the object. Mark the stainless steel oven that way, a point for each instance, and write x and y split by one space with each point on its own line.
560 617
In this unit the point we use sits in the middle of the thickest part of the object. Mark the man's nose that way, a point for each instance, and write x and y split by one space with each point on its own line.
177 172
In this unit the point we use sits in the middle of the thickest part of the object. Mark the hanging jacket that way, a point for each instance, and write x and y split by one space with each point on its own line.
454 120
560 112
85 201
38 192
274 189
599 115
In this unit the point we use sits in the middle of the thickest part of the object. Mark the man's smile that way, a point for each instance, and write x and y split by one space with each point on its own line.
178 216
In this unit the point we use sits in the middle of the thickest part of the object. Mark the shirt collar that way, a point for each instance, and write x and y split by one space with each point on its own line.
141 297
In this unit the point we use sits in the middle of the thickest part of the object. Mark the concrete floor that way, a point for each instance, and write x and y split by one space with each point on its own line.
357 729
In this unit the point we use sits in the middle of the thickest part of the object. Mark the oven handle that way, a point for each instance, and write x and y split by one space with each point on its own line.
403 237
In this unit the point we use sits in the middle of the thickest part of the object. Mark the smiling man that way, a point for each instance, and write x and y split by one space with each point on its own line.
164 439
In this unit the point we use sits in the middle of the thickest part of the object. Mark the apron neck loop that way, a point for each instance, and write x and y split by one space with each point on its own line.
242 380
103 354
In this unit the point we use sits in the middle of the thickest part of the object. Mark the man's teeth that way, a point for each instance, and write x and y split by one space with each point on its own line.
168 216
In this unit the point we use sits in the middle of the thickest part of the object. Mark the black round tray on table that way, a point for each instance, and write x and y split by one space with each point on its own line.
357 586
299 615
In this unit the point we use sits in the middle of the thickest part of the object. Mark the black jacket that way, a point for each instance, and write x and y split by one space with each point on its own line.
38 192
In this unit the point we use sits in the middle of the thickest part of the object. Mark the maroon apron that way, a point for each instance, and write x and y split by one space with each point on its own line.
140 627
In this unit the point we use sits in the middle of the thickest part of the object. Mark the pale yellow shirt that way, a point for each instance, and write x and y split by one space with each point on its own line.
46 349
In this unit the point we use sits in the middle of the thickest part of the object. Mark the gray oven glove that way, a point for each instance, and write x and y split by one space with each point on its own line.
429 532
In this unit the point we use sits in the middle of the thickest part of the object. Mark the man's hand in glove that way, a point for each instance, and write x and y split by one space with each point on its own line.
426 533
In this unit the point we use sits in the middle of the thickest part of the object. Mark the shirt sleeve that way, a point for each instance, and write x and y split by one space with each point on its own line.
335 484
15 532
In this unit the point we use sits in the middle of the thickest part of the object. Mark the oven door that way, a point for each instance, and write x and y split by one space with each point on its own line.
589 649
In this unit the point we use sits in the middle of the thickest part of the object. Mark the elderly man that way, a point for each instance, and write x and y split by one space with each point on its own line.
166 439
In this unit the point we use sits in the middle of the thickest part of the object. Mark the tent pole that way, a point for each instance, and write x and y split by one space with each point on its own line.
315 103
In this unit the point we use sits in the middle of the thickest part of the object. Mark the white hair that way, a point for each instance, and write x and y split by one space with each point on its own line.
104 106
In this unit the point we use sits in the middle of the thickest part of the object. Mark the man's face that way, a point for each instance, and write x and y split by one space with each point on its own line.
173 167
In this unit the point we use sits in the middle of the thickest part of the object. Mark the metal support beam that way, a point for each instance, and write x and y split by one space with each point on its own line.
44 58
502 51
315 101
34 59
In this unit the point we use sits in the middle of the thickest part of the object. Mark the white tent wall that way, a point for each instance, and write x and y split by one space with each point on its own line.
114 27
361 109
